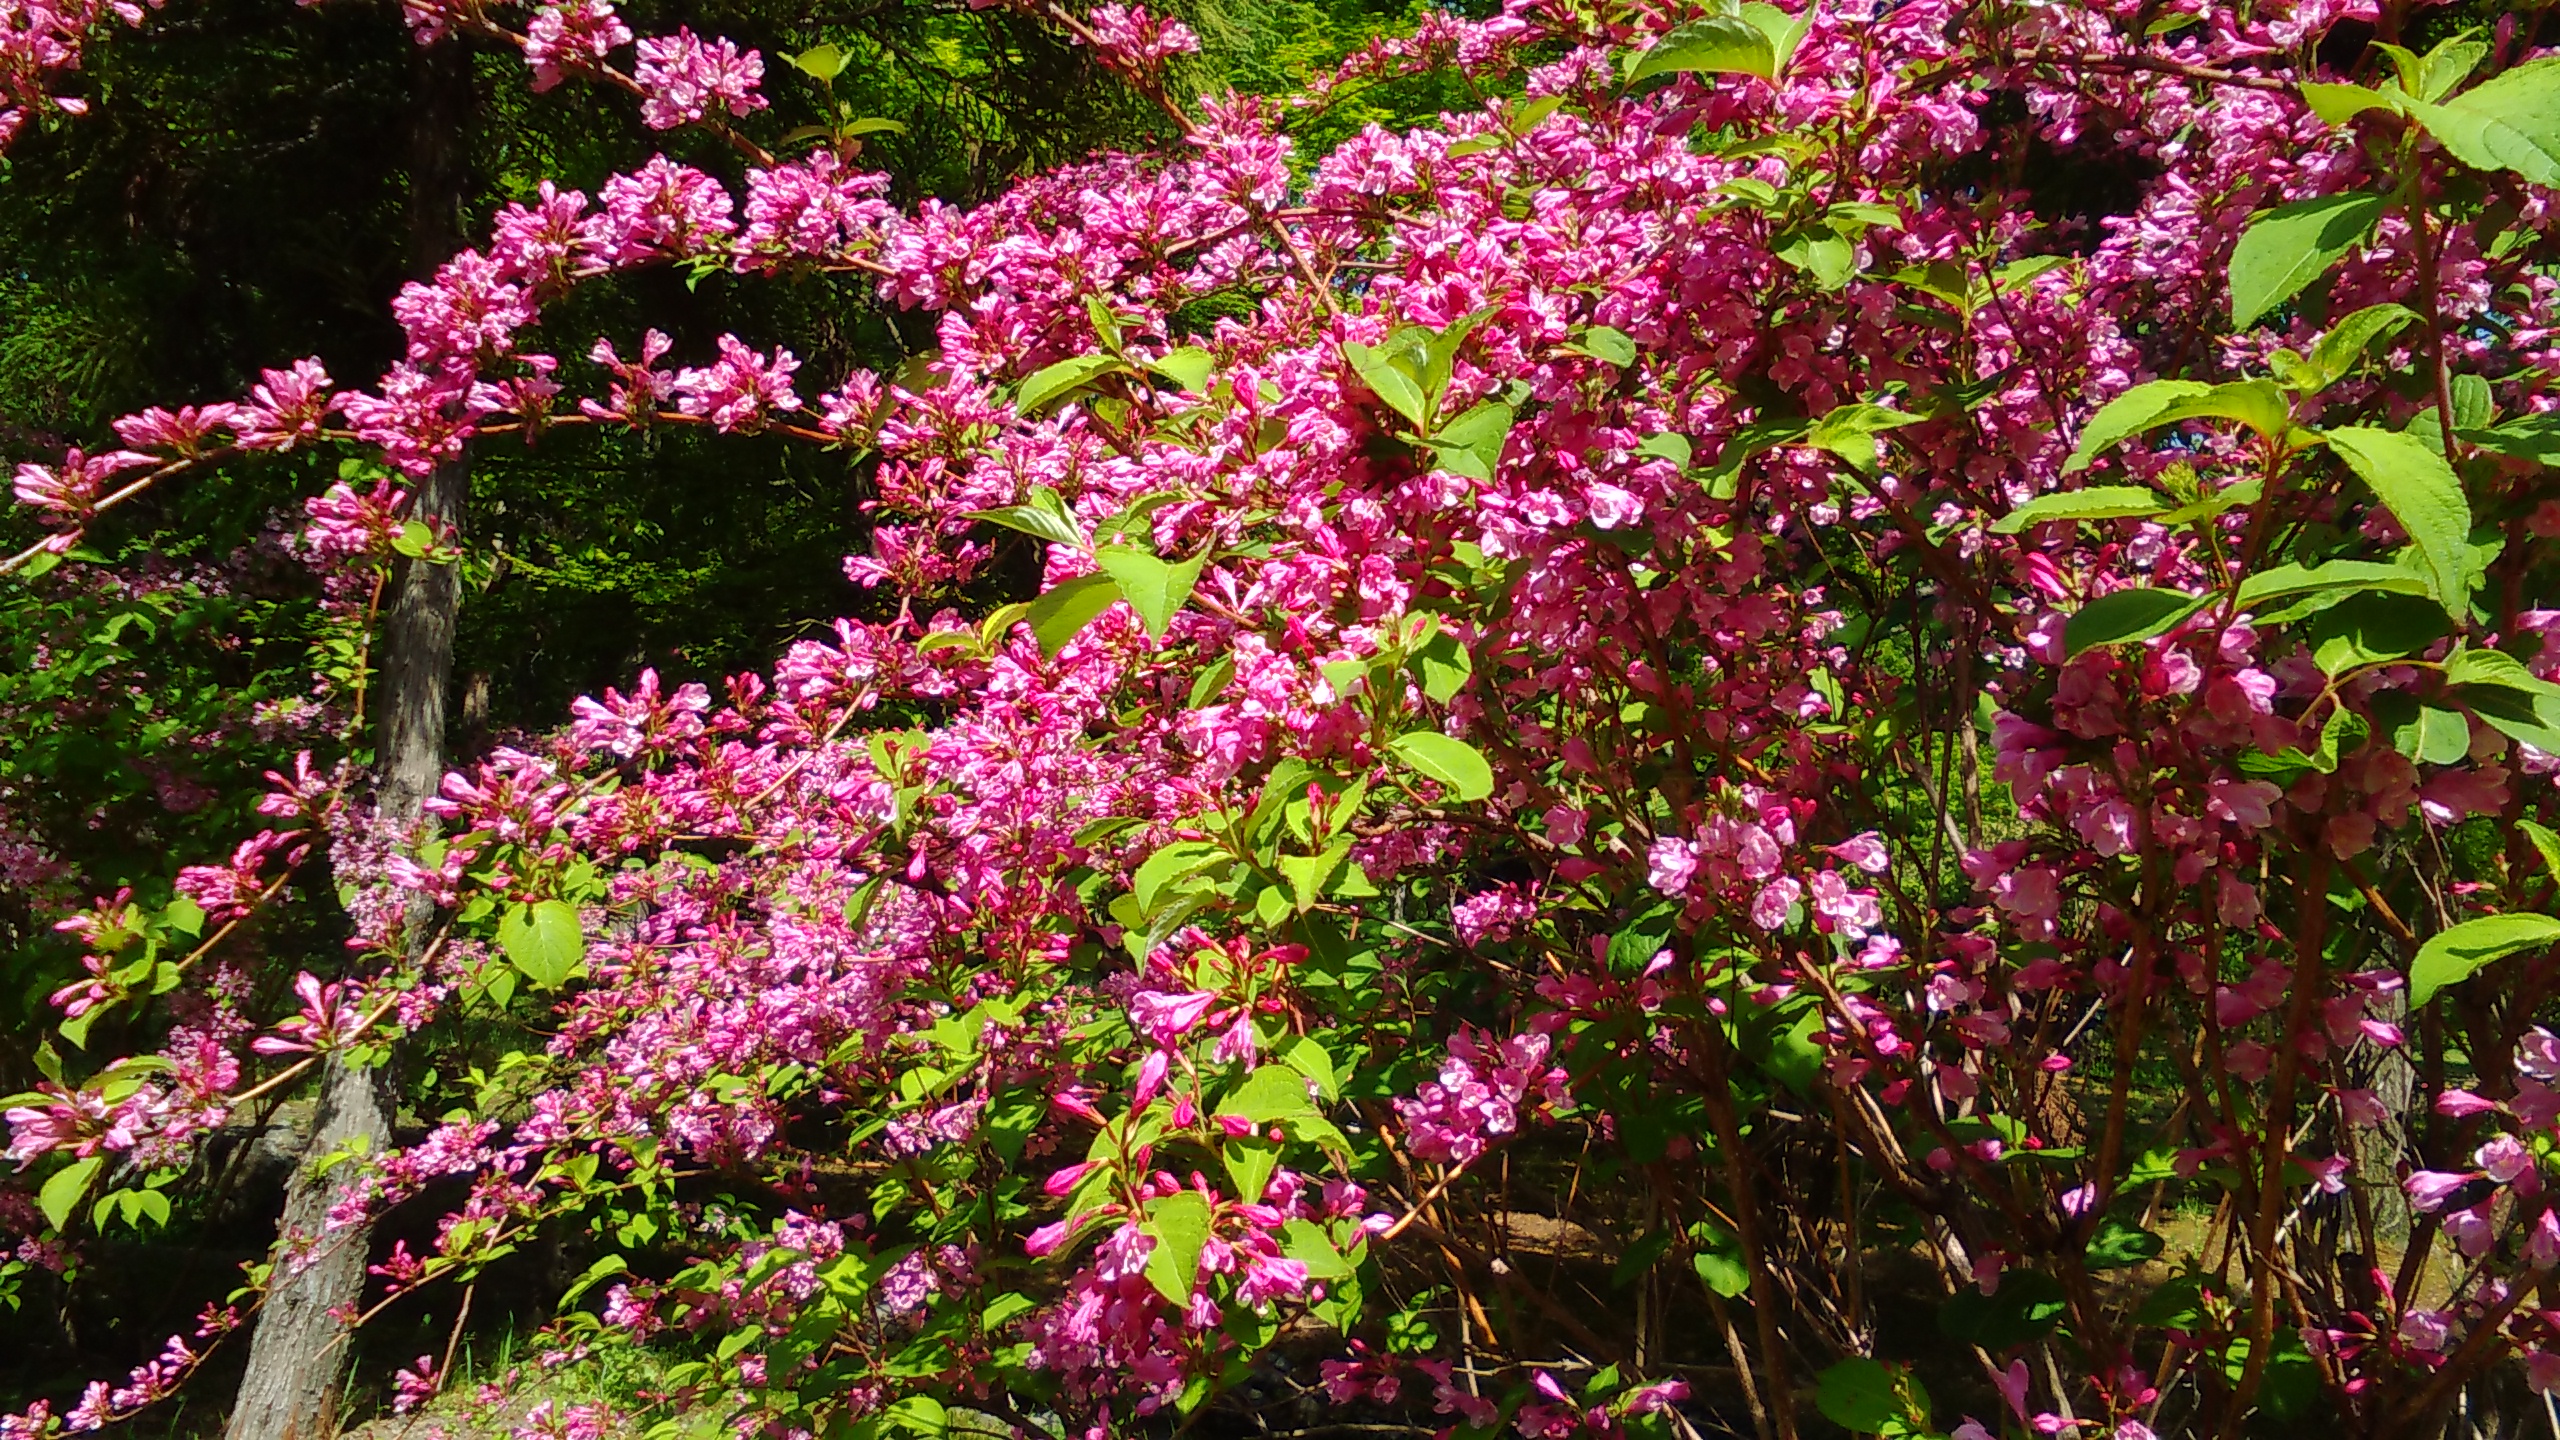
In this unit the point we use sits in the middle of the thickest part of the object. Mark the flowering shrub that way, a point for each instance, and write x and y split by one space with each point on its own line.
1707 653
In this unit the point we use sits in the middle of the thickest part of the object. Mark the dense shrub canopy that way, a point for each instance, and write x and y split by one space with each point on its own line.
1791 670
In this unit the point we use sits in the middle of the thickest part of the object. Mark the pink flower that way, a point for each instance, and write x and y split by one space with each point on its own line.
2429 1189
1769 908
1670 863
742 390
1166 1018
684 79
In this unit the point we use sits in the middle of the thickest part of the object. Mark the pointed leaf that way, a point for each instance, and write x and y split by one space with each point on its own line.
1188 366
2507 122
1064 609
2424 495
2122 616
543 941
63 1191
1180 1224
2128 415
1154 588
2292 245
2098 502
1390 383
1066 376
2456 954
1457 765
1716 45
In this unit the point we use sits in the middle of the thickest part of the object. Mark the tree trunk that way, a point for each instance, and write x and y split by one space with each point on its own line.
299 1351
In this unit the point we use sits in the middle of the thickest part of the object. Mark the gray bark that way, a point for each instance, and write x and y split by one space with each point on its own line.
299 1350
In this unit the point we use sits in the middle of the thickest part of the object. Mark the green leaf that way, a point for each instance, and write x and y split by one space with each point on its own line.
1309 874
1443 666
1668 445
2345 344
1850 431
1390 382
1178 1226
1271 1092
2371 629
872 125
2432 735
1785 31
1305 1242
63 1191
2454 955
1615 346
2527 437
1716 45
543 941
1718 1260
2118 1246
1308 1057
2128 415
2347 575
2026 1307
1471 445
822 63
1064 609
2258 404
1739 447
2122 616
2337 104
1830 257
2293 245
1041 514
1859 1395
2098 502
1634 947
1188 366
1154 588
1457 765
1179 860
2507 122
1065 377
2545 843
2424 495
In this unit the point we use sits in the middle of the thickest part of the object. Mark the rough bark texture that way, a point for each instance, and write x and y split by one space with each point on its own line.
298 1352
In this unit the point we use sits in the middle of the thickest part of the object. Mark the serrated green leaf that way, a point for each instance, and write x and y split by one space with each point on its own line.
2453 956
2337 104
2098 502
2510 121
1271 1092
2118 1246
65 1188
544 942
1068 375
1614 346
1859 1395
2292 245
1064 609
2128 415
1457 765
2348 575
822 63
1155 588
1041 514
2424 495
1716 45
2123 616
1176 861
2545 844
1188 366
1390 382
